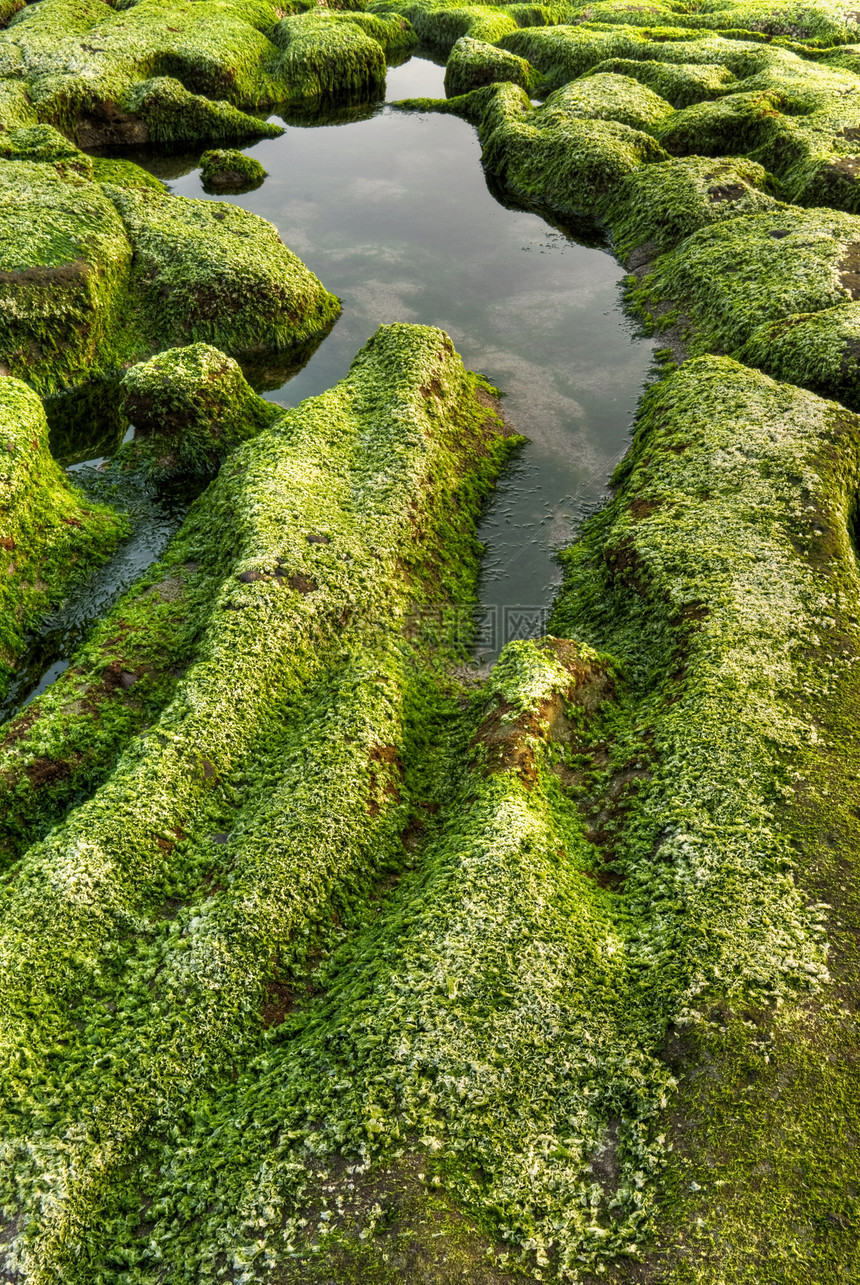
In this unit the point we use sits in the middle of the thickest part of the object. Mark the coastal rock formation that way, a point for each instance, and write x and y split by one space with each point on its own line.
226 170
322 957
99 266
172 73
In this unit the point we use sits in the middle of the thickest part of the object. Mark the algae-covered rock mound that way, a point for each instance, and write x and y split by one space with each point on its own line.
281 637
170 73
50 535
473 64
372 973
226 170
790 111
778 290
99 265
189 407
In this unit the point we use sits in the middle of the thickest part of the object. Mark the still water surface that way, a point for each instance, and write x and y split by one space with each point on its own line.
393 215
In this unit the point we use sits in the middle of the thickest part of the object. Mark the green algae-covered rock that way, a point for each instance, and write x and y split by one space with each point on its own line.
563 156
755 270
161 110
820 350
656 206
173 74
210 271
189 408
678 83
473 63
99 266
325 54
296 581
799 119
606 96
722 577
65 265
441 24
224 170
50 536
348 936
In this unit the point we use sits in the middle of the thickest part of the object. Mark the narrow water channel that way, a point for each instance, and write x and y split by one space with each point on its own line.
393 215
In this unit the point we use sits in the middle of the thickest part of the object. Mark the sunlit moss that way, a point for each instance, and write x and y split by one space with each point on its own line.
101 266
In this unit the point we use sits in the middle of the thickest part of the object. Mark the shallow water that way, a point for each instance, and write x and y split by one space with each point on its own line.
394 215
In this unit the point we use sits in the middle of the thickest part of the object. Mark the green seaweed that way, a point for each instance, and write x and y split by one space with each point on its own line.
190 407
440 24
230 171
473 64
294 579
51 535
722 573
739 282
656 206
172 73
99 265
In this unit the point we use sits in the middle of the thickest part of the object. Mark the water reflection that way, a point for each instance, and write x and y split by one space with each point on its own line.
394 215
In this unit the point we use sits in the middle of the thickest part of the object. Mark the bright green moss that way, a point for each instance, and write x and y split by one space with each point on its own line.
327 54
51 536
563 156
438 23
818 350
733 277
727 550
65 261
680 84
230 171
123 174
163 111
211 271
174 73
190 407
737 123
473 63
606 96
488 1012
289 723
658 205
822 21
563 53
99 265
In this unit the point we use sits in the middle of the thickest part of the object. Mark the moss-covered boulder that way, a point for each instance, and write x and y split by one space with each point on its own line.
189 408
656 206
441 24
722 577
473 64
226 170
752 278
796 117
174 74
819 350
568 155
299 583
446 966
680 84
99 266
211 271
50 535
